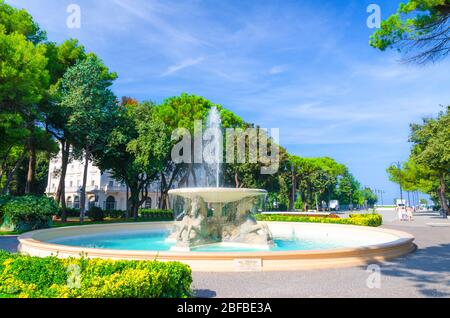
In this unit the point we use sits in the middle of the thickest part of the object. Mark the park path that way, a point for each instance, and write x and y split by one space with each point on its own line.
425 273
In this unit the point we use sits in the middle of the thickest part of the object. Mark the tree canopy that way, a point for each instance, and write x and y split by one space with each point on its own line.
420 29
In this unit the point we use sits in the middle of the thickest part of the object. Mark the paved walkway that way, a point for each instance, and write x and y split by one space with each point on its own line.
425 273
9 243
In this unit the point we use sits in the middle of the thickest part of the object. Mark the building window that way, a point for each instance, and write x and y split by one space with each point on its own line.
111 183
148 204
93 183
71 184
92 201
76 202
110 203
69 202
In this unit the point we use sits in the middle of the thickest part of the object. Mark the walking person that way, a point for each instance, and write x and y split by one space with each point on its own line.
409 212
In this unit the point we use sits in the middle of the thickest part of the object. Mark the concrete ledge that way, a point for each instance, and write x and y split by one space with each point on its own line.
390 244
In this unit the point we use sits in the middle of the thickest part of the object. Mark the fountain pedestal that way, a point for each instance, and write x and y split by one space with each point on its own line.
219 215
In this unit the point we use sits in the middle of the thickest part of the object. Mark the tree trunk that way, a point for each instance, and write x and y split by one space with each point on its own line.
127 213
442 197
83 188
162 201
29 186
11 173
134 201
166 186
60 194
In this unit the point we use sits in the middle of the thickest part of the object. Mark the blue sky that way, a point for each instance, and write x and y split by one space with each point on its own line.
302 66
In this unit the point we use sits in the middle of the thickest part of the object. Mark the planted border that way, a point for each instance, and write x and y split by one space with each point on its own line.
373 220
33 277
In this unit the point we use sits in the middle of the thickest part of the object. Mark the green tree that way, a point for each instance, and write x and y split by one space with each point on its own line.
181 112
12 151
135 150
23 74
419 29
368 196
431 149
61 58
21 22
23 78
85 93
348 189
315 179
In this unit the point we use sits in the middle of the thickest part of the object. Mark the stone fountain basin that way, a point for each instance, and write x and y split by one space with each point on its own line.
217 195
379 244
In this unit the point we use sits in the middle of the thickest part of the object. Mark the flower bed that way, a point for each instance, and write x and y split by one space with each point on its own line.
51 277
354 219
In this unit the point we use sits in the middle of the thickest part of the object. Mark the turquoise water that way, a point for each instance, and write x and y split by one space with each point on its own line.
156 241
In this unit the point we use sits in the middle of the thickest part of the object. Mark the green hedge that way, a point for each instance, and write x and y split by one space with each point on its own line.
96 214
51 277
354 219
156 215
115 214
70 212
3 200
28 213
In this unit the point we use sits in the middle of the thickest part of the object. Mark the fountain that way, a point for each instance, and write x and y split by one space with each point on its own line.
216 231
215 215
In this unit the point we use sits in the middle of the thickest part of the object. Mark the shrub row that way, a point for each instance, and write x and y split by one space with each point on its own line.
51 277
354 219
70 212
75 213
156 215
27 213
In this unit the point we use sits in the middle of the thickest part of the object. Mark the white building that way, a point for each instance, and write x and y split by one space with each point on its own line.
101 189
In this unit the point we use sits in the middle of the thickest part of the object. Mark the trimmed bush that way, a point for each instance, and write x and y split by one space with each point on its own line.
96 214
156 215
115 214
354 219
70 212
51 277
28 213
3 200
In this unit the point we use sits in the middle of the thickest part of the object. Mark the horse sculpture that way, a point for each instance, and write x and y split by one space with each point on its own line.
243 226
193 225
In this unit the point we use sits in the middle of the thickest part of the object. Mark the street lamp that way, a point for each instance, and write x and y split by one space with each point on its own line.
399 166
293 187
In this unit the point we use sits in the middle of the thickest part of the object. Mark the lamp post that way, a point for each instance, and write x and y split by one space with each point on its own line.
399 166
293 187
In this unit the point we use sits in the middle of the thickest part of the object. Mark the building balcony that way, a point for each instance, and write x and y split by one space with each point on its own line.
92 188
72 189
114 188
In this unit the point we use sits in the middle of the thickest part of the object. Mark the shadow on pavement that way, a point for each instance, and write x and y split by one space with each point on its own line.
9 243
204 293
428 268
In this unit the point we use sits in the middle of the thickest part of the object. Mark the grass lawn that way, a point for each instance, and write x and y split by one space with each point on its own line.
8 233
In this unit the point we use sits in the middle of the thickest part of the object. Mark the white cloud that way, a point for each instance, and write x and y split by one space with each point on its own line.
278 69
153 14
182 65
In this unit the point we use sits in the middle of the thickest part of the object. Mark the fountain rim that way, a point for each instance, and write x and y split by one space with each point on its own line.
217 195
33 243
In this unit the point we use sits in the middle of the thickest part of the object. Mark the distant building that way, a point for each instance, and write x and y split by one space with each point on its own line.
102 190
